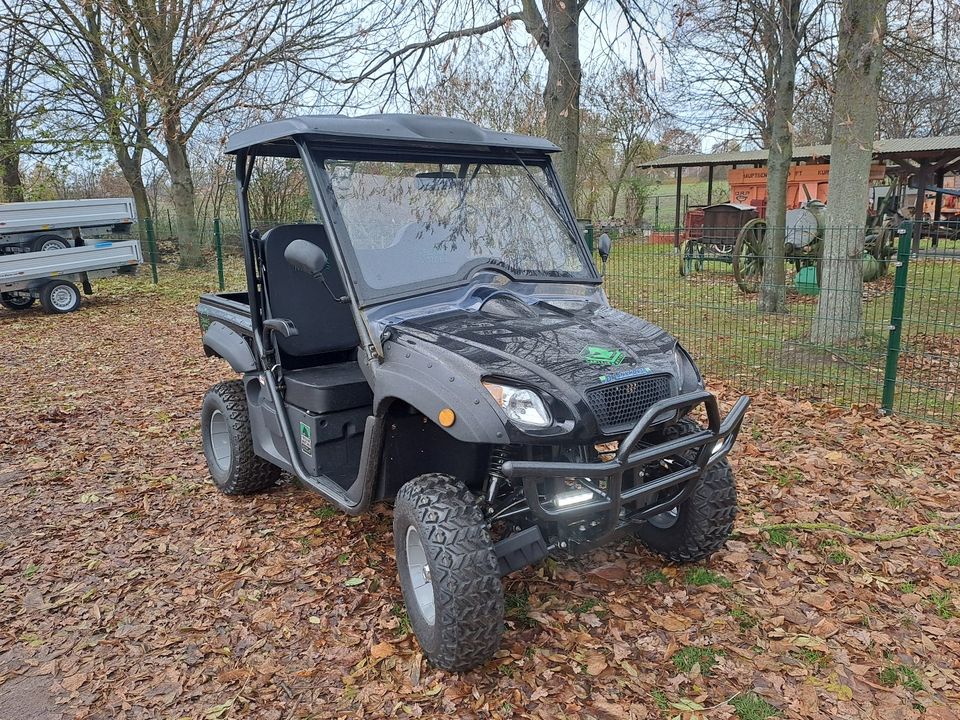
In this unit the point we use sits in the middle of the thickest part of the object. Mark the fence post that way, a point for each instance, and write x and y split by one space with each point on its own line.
152 248
896 319
218 244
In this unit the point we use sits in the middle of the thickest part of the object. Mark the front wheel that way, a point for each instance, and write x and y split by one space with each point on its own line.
699 526
448 572
747 256
16 300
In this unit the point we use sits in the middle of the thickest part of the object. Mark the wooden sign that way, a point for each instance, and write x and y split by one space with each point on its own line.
804 183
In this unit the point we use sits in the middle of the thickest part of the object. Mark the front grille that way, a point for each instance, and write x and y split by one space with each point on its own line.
620 406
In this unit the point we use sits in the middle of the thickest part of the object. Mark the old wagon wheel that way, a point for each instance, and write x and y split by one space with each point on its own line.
691 259
748 255
881 245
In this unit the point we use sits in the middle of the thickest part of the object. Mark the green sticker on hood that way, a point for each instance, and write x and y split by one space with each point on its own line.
601 356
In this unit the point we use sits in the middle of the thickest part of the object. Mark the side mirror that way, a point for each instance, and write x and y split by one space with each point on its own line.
306 257
604 243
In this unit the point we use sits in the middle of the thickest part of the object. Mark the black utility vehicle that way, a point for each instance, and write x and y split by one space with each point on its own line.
441 339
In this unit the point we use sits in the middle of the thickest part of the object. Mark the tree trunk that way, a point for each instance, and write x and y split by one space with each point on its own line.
11 183
561 95
773 291
182 193
839 315
130 167
614 196
129 154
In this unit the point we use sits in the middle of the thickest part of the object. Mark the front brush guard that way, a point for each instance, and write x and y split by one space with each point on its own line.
610 500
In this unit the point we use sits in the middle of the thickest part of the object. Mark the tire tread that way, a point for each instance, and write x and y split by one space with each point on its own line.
253 474
464 568
706 518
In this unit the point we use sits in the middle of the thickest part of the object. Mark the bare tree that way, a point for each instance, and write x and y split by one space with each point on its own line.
626 122
741 59
789 30
921 61
839 315
918 96
553 26
20 101
196 59
487 92
727 62
75 47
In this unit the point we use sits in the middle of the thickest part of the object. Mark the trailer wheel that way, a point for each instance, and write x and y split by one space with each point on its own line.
59 296
228 442
16 300
47 243
448 572
702 523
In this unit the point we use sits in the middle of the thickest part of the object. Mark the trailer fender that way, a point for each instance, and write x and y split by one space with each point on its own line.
222 341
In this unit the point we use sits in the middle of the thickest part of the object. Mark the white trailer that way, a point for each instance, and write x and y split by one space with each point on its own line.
59 224
53 277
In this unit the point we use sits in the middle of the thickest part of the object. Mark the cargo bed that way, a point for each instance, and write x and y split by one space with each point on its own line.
57 224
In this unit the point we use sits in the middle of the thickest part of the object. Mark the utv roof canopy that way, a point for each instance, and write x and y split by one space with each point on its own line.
424 131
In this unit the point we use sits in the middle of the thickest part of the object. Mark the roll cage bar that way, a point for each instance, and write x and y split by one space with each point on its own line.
318 180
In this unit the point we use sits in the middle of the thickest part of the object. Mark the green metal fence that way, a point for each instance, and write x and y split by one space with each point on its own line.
903 353
904 357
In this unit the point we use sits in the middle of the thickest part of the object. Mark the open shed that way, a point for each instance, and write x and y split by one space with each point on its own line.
919 162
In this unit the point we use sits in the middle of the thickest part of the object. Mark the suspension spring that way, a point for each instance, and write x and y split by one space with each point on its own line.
498 456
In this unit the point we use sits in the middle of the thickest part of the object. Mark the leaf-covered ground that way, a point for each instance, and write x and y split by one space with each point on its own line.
130 588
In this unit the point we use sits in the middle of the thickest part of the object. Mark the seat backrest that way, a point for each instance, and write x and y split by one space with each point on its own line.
324 325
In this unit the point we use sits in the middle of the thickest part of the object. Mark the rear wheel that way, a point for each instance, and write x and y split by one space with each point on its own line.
47 243
702 523
448 572
59 296
16 300
228 442
748 255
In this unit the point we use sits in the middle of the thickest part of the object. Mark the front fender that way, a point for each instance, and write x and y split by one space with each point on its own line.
430 385
230 345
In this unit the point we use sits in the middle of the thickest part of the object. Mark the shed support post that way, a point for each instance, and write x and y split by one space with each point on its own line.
676 219
938 204
710 185
923 179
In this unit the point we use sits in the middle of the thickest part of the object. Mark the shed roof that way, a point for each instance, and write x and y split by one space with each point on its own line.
889 149
276 138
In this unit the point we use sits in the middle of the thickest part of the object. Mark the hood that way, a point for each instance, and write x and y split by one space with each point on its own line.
575 344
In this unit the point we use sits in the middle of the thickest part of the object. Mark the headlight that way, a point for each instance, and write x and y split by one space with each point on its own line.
523 407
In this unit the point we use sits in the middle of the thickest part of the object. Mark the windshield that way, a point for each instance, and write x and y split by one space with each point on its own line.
429 224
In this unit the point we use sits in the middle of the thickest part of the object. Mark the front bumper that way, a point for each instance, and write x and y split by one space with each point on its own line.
711 443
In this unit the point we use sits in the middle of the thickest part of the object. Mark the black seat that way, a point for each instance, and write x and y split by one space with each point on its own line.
328 388
326 330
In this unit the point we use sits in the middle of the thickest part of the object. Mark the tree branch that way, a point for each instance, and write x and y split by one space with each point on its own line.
398 56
